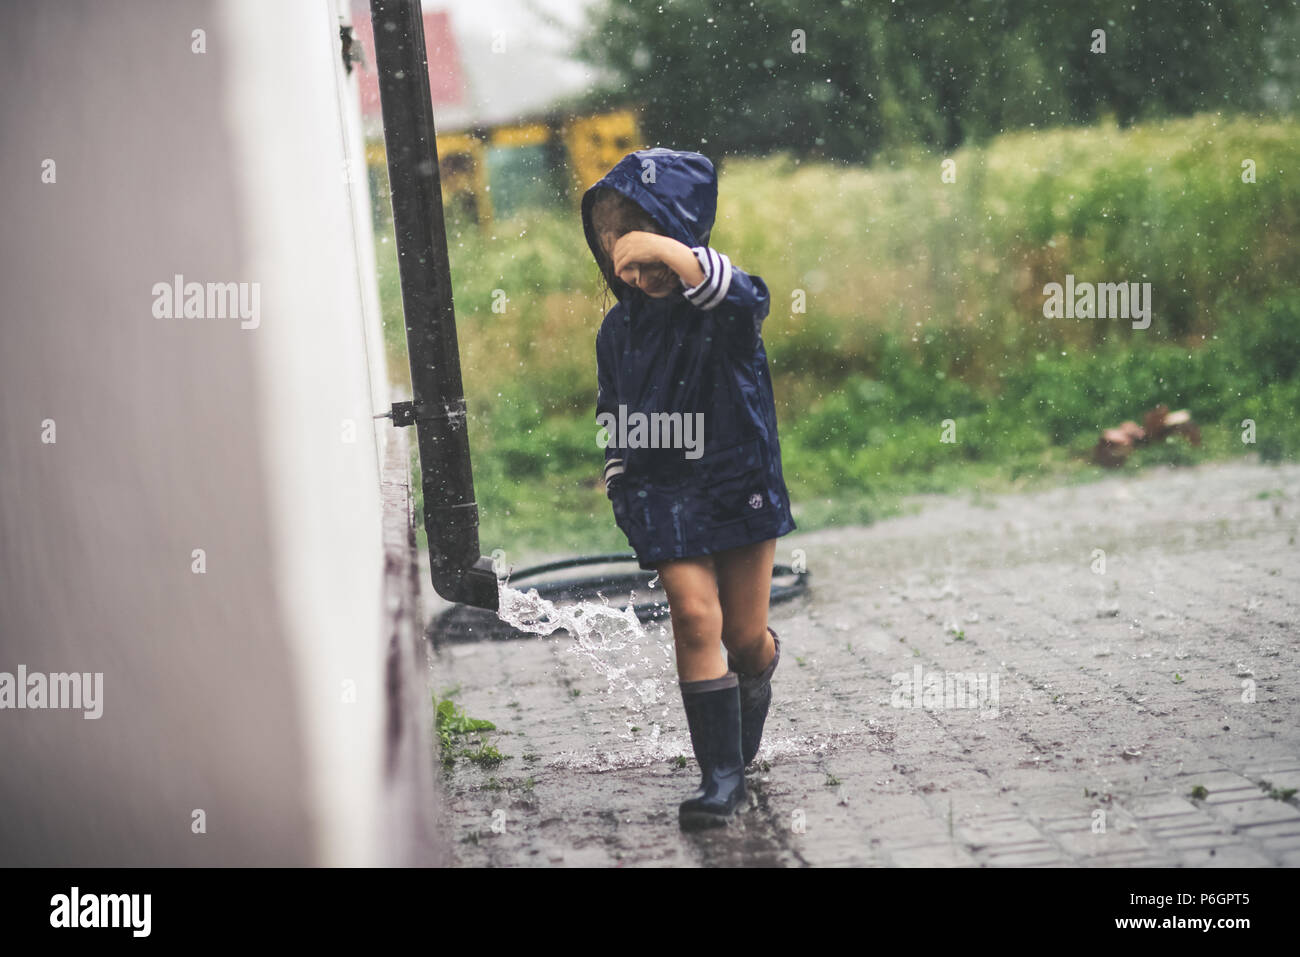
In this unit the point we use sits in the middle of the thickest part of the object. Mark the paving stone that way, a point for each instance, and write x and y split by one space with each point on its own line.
1086 844
994 832
1232 795
1257 811
1088 716
1067 825
1160 806
1185 842
1279 779
1183 824
1270 832
1029 857
931 855
1232 855
1144 858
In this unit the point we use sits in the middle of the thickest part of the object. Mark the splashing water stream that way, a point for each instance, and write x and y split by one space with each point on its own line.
617 646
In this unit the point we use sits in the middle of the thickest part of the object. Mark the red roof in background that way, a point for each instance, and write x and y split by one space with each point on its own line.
446 76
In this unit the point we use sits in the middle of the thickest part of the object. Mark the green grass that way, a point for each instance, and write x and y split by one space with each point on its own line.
923 304
1276 793
453 725
485 755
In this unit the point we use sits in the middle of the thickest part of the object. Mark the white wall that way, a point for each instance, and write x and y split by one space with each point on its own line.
223 691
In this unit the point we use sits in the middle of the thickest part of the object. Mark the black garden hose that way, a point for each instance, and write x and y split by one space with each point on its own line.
464 623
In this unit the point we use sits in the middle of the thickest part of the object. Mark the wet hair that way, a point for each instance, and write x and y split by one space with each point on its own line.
612 212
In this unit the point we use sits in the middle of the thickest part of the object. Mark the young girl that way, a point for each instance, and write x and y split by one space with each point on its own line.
682 346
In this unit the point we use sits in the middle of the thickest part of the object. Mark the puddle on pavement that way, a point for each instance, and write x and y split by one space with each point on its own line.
635 661
639 667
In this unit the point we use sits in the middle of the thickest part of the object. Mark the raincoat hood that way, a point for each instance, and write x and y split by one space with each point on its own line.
684 392
678 189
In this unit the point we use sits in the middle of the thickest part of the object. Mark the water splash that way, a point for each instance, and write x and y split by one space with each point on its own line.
640 671
669 746
637 665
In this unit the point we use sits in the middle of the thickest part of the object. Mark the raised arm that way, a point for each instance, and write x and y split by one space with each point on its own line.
740 299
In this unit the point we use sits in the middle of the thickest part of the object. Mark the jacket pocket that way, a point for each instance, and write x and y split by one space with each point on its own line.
747 456
739 493
618 501
629 511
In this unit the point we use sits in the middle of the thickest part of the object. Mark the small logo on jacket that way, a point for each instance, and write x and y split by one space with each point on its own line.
756 501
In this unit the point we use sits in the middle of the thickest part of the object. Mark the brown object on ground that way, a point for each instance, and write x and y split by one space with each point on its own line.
1115 445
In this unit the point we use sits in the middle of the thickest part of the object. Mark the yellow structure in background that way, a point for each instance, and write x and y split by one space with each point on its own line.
578 150
596 143
462 166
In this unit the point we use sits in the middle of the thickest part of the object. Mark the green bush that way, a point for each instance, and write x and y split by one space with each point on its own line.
923 302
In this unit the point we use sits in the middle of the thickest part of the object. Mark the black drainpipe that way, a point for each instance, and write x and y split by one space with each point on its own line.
460 572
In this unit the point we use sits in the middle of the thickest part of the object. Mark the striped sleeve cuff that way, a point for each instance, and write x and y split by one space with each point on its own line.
717 278
613 467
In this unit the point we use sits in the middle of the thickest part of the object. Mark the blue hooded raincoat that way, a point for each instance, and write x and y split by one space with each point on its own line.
692 358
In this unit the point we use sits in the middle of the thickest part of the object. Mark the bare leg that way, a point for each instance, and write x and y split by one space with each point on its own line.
744 578
692 588
744 589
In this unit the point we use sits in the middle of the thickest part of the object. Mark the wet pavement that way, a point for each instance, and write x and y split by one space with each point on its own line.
1129 647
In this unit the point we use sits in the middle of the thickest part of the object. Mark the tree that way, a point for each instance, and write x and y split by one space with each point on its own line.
732 77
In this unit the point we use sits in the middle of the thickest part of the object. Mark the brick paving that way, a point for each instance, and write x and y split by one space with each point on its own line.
1123 733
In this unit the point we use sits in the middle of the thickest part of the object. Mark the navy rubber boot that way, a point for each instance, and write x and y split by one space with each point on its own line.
713 716
755 699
